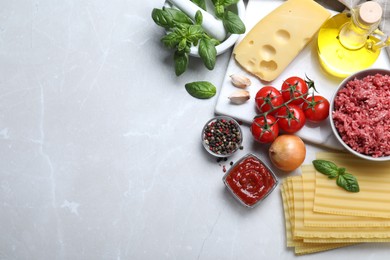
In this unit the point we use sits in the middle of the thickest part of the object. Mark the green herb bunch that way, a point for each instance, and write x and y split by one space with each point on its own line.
343 179
231 21
183 33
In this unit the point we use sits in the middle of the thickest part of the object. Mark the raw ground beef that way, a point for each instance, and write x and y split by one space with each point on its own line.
362 115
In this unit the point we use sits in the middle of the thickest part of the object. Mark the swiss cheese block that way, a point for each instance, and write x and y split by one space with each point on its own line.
278 38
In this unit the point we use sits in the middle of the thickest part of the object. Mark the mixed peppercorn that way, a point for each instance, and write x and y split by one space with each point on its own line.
222 136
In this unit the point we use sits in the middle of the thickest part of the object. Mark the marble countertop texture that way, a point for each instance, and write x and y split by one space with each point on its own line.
100 152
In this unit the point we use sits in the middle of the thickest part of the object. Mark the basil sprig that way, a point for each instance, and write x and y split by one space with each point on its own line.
182 34
201 89
343 179
207 52
231 21
200 3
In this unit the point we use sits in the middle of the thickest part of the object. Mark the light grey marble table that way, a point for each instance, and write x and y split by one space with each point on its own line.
100 153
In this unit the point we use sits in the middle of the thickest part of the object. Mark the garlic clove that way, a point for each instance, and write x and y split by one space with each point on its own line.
239 97
240 81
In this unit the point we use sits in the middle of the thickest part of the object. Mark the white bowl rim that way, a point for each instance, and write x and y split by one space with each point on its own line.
359 75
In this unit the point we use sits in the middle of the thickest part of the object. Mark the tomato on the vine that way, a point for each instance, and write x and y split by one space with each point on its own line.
265 129
316 108
294 87
291 118
267 98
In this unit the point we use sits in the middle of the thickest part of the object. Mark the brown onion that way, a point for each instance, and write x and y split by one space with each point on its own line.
287 152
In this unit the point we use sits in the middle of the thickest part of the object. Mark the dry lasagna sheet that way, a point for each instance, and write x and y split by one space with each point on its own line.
321 216
373 200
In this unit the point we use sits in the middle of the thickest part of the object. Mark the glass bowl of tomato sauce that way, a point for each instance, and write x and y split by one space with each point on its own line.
250 180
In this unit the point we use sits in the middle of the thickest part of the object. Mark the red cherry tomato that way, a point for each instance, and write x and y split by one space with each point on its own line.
265 129
267 98
294 87
291 118
316 108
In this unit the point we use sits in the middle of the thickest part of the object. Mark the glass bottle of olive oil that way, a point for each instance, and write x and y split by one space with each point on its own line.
351 41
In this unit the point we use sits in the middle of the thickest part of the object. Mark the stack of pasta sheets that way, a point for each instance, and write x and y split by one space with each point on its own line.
322 216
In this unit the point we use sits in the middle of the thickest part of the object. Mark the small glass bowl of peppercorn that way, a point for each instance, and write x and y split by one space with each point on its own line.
222 136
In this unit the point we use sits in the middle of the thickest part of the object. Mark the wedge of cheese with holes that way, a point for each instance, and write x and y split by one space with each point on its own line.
279 37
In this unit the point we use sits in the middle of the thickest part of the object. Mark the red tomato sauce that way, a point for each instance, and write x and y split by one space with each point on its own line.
250 180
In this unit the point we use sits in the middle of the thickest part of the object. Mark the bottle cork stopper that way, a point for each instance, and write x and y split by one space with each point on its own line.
370 12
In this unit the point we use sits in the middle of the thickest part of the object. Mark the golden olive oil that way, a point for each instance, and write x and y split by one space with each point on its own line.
337 59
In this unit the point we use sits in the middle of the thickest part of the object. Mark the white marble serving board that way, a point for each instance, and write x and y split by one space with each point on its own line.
306 63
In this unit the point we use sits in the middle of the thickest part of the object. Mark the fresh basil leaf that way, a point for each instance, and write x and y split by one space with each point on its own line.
181 62
233 23
182 31
348 182
207 53
201 89
198 17
171 40
326 167
227 3
215 42
200 3
182 45
161 18
194 33
345 180
219 11
178 16
182 27
341 171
